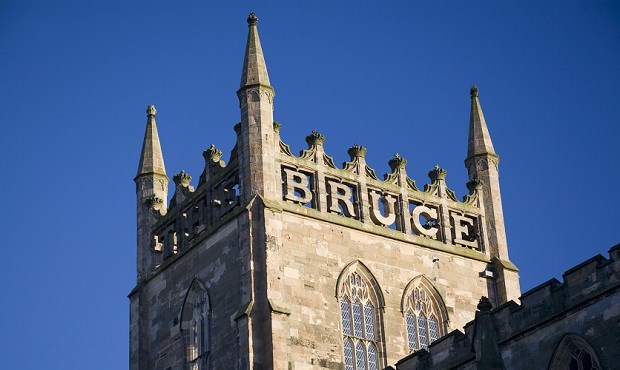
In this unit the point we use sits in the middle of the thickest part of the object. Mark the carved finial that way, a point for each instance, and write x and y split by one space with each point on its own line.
357 151
473 91
252 19
182 179
484 305
155 202
150 110
474 184
437 173
397 162
315 138
212 153
276 126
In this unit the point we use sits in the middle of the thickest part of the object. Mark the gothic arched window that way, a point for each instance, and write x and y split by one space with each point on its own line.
425 314
574 353
360 303
195 320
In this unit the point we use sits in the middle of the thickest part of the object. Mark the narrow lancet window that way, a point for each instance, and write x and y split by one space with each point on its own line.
348 354
422 331
346 316
195 318
411 332
360 323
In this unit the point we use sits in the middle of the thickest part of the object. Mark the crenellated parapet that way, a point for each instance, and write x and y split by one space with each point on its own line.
355 192
551 302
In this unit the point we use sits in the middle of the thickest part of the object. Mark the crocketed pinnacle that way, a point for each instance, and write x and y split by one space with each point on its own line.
479 137
151 157
254 68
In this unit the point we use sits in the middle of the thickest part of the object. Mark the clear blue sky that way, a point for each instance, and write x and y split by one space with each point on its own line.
76 77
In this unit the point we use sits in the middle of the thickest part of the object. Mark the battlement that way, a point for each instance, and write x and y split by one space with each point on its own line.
541 306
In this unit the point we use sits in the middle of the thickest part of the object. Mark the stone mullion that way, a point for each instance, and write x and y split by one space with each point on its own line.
438 175
358 154
362 197
404 215
398 164
444 212
320 189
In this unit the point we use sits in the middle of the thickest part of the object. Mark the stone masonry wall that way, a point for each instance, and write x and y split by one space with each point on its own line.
304 260
215 262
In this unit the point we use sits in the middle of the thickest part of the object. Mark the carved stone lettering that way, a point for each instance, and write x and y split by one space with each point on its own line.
388 206
170 244
157 245
464 233
297 186
340 195
428 214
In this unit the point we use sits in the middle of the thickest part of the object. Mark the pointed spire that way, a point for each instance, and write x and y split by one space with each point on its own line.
254 68
151 157
479 137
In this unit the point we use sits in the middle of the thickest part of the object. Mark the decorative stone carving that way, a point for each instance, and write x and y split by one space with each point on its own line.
397 162
150 110
429 228
252 19
356 151
213 154
341 198
464 230
155 202
437 174
297 187
388 201
182 179
484 305
225 197
473 92
315 138
473 185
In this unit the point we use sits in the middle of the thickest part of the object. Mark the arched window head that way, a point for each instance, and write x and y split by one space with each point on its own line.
425 314
360 302
195 326
574 353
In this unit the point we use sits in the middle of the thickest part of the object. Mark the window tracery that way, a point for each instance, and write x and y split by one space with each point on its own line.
360 323
574 353
425 318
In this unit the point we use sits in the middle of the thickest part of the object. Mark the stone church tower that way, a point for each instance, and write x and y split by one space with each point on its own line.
291 262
